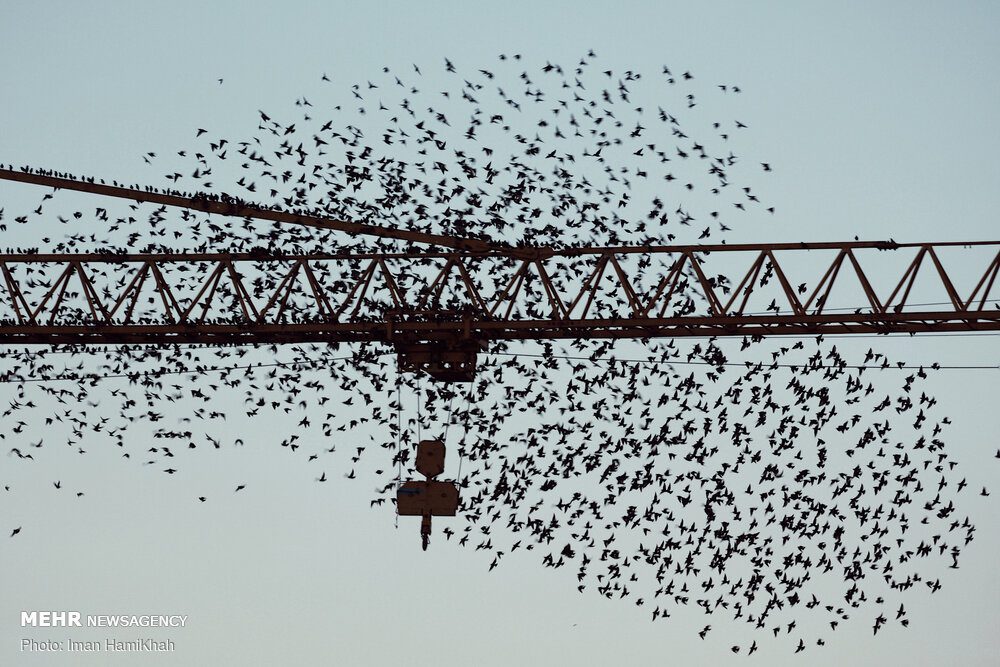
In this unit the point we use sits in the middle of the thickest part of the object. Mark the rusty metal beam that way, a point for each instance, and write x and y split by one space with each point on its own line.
375 332
231 206
95 298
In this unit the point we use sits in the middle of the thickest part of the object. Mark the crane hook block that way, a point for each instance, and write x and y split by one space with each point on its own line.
430 458
430 497
427 499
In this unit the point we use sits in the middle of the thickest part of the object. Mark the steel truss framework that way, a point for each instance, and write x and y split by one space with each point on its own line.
441 308
449 297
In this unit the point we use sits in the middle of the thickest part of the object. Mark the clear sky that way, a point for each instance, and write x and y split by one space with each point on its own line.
879 119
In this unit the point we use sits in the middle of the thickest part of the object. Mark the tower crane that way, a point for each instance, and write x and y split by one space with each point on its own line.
538 293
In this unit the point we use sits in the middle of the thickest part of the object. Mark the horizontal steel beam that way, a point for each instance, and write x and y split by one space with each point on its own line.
218 298
231 206
400 332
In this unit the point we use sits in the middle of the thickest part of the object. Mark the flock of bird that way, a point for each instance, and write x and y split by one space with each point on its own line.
792 491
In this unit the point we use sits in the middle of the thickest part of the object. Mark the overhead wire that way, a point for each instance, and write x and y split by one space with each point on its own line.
93 377
746 364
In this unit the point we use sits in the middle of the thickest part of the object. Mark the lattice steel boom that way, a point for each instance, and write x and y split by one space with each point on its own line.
405 298
439 309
